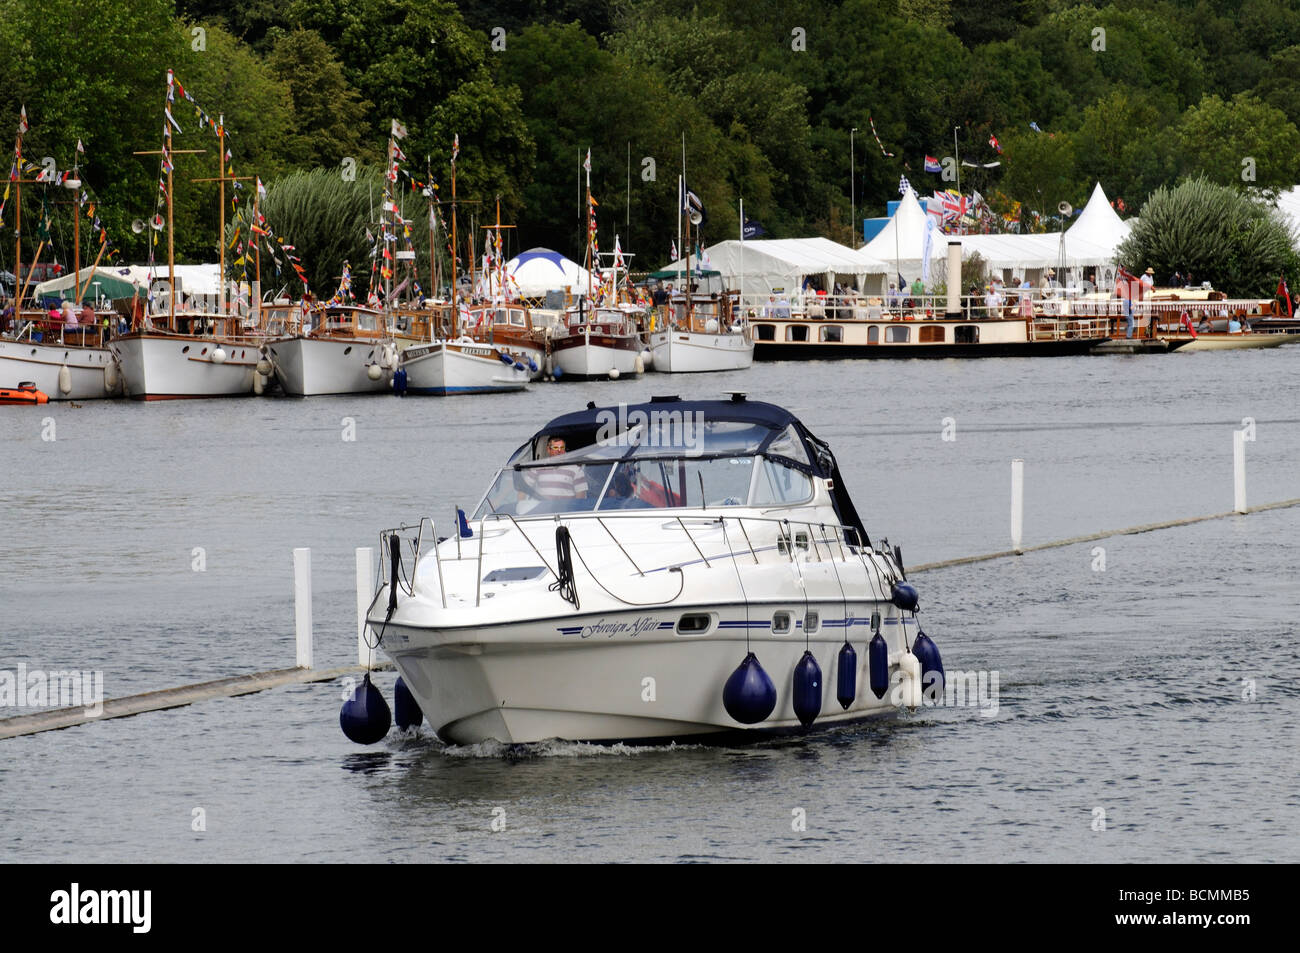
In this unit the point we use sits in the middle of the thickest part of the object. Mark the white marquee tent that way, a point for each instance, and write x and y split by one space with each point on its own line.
764 266
902 244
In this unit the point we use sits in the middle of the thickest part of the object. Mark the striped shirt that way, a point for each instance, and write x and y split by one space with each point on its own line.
561 483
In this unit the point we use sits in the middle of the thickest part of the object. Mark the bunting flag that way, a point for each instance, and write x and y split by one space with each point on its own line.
993 141
673 256
22 120
398 131
932 164
1034 126
875 135
618 254
903 185
1284 293
586 163
455 147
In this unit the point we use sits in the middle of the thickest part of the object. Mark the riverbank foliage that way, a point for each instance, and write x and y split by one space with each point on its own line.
767 95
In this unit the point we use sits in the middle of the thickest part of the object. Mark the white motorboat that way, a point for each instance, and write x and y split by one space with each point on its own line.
462 366
703 333
608 592
597 343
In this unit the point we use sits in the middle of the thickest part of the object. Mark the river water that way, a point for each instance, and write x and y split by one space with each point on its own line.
1148 698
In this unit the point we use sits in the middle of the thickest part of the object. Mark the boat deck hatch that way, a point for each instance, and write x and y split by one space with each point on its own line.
514 574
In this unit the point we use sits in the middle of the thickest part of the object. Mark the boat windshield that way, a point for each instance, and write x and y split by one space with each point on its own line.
649 482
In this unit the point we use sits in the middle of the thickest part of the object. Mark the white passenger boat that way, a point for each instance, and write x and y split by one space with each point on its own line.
462 366
682 570
66 364
702 333
346 351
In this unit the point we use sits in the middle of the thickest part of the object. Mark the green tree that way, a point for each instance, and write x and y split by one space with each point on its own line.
328 114
89 70
1243 142
1040 173
1214 232
418 62
1108 150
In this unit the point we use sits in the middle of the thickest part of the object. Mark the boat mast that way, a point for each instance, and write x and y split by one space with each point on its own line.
690 297
221 220
76 231
591 231
433 229
455 277
171 238
18 212
500 258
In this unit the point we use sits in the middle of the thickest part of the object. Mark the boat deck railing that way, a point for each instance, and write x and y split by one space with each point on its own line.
799 541
1012 304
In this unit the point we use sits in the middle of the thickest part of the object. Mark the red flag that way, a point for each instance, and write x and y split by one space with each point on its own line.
1284 293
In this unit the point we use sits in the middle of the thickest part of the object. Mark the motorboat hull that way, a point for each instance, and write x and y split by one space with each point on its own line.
92 371
310 367
445 368
519 689
162 366
678 352
595 356
1231 342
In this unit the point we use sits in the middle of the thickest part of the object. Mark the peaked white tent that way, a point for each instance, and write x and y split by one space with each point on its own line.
903 239
901 243
764 266
1098 224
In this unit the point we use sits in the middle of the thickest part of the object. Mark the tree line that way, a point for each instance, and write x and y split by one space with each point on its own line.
808 111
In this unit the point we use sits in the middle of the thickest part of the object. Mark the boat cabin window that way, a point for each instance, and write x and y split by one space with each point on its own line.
966 334
517 317
796 332
897 335
764 332
501 317
873 335
781 623
644 483
832 334
788 445
931 334
780 485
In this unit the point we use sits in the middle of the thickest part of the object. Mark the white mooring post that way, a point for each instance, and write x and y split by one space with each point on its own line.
365 581
1239 471
302 605
1017 504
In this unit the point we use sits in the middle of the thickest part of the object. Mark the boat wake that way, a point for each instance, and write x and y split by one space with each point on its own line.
555 748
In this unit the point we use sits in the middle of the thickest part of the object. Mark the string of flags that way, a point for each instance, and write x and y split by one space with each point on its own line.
884 152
